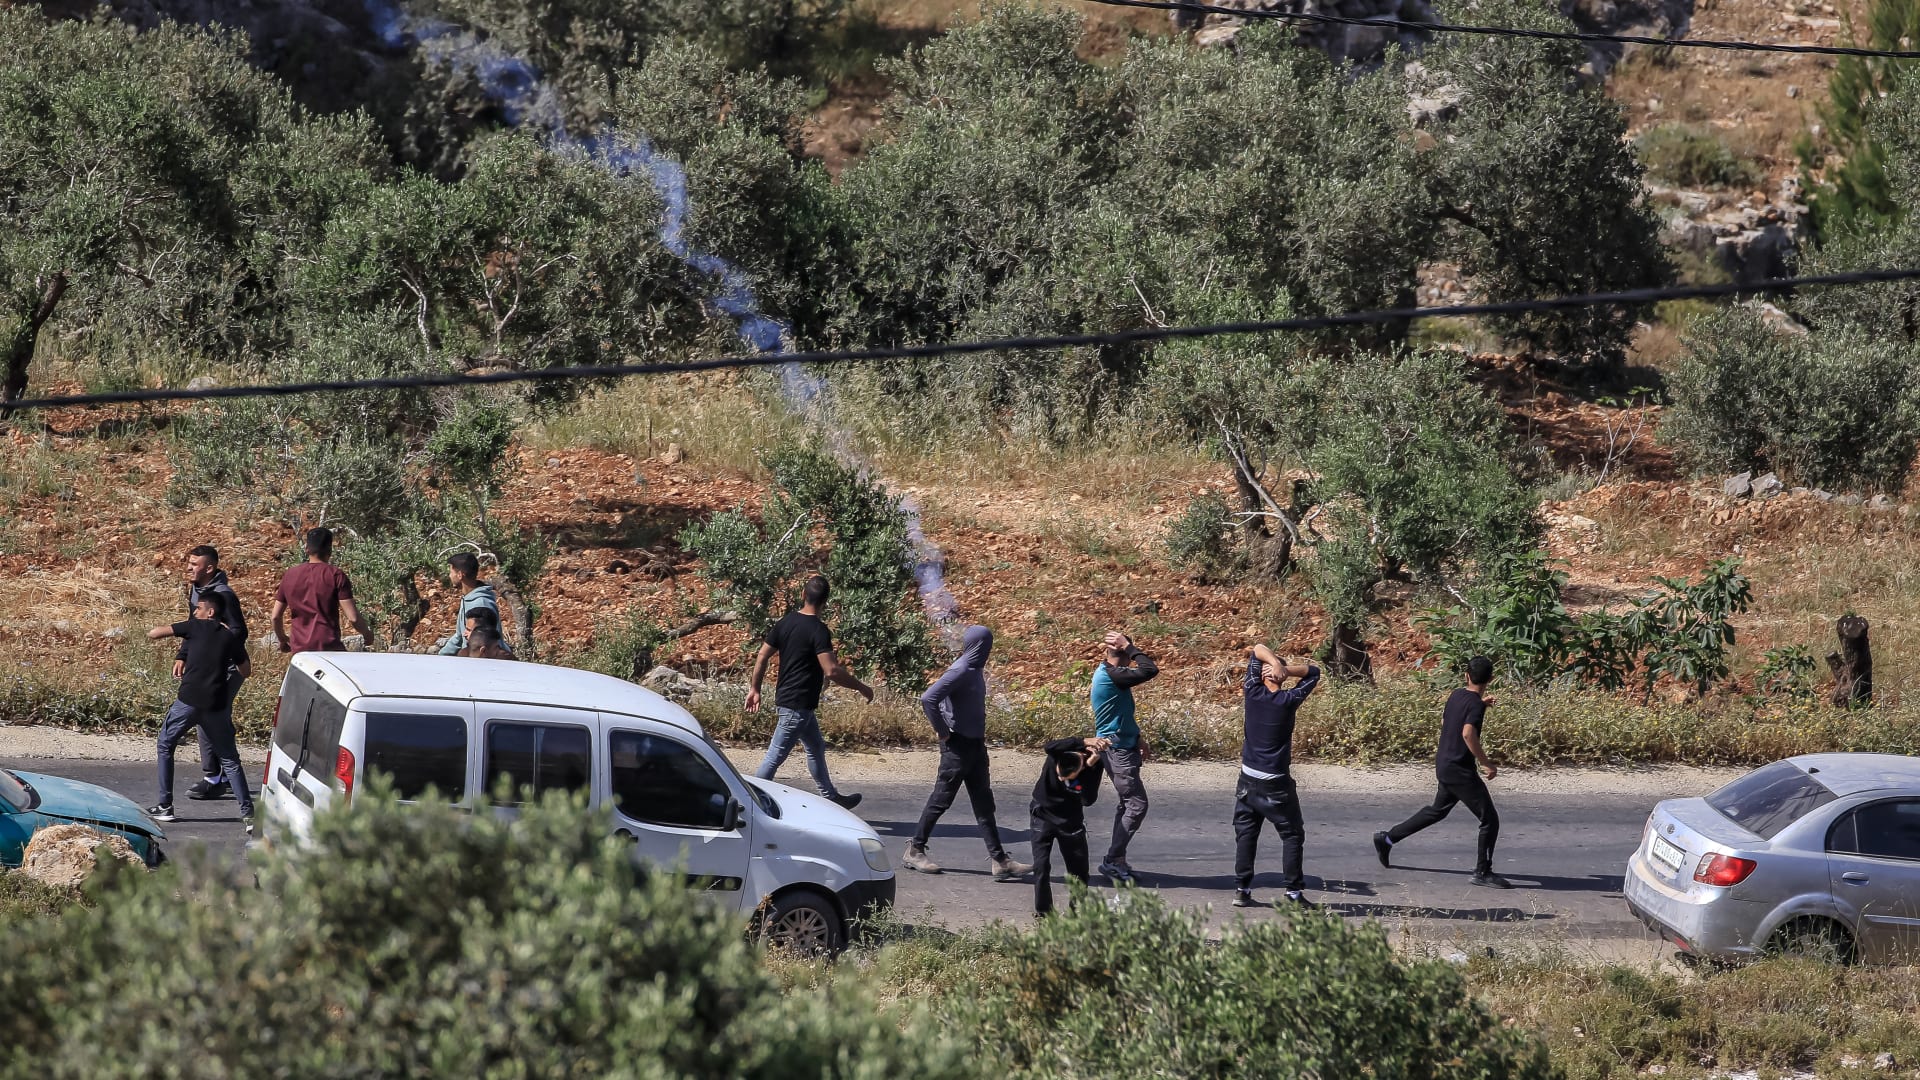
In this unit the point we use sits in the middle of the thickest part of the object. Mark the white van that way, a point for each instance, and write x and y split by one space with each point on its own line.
801 868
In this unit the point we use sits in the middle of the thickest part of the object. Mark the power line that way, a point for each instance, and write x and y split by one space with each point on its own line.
1511 31
955 348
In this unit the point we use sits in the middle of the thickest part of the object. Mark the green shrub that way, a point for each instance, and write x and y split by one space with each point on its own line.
1133 987
1690 157
1835 409
623 647
23 898
422 941
1201 539
1786 672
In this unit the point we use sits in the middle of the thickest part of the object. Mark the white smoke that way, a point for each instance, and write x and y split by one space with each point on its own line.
524 99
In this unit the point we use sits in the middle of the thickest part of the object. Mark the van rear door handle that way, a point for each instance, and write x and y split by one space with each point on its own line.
1854 878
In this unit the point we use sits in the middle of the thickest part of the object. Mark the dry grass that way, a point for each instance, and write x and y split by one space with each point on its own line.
719 422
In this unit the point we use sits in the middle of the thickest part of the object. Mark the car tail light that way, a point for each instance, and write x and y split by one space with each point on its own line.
343 769
1723 870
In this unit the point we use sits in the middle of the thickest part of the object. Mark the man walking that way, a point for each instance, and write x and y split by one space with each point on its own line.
1460 748
463 573
1266 790
203 701
317 594
807 661
956 706
1069 783
205 578
1125 667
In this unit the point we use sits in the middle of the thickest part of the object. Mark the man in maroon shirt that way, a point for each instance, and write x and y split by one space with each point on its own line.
317 594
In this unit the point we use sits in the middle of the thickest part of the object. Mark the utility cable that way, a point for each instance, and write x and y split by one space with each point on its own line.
1512 31
955 348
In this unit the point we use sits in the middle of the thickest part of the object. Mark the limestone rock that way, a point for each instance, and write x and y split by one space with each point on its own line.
1738 487
63 855
1766 487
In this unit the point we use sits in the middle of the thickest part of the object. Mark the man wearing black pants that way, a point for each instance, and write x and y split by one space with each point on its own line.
1459 751
1266 792
956 706
1069 783
205 578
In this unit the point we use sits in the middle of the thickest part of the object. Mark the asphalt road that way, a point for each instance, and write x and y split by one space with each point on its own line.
1563 853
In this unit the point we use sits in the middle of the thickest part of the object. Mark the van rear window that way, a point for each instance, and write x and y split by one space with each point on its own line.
416 752
1770 798
308 730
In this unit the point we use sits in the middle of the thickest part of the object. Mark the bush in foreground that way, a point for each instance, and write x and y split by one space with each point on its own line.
1135 988
421 942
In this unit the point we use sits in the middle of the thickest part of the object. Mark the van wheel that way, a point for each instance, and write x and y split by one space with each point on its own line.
802 922
1815 938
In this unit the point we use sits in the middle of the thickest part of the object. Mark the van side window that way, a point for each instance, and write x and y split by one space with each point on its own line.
544 757
417 752
662 781
1882 830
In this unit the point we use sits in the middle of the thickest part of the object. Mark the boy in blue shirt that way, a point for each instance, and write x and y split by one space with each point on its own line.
1125 667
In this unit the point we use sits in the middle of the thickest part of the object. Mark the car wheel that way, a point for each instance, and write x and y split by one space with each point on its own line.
1814 938
802 922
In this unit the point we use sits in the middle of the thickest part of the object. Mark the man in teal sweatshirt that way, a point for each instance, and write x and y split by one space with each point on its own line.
463 573
1125 668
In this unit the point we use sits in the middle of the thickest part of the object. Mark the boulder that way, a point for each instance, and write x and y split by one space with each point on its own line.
64 856
1738 487
1766 487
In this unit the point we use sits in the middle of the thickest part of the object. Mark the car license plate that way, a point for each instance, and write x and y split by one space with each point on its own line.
1667 853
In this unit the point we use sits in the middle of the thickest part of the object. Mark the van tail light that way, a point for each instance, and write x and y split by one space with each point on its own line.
1723 870
343 770
276 711
266 771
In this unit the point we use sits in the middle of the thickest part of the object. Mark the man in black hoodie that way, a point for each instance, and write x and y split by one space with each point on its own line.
205 578
956 706
1069 783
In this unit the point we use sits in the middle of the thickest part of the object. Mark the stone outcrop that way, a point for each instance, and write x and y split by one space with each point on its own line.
1365 44
1751 237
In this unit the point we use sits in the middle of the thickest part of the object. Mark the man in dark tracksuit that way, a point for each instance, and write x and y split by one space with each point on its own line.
1458 752
1266 790
1069 783
956 706
205 578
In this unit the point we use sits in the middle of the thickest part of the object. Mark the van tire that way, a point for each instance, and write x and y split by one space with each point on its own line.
1813 937
802 921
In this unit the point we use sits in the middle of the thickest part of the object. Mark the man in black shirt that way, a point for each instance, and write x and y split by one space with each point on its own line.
807 661
214 654
1069 783
1266 791
205 578
1459 750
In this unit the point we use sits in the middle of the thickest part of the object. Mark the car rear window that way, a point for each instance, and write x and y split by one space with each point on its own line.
1770 798
308 728
419 751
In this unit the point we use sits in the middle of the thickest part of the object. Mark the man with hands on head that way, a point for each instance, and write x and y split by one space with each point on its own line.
1124 668
1069 783
1266 790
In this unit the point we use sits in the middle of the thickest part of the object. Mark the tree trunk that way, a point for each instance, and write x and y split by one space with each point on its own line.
1852 666
522 617
19 351
409 617
1347 656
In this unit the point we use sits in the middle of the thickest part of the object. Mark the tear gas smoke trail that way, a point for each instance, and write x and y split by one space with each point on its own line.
515 86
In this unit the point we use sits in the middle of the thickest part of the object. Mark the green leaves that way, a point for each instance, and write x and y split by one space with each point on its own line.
418 941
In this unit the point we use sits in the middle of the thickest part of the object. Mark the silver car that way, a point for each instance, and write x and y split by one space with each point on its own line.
1817 854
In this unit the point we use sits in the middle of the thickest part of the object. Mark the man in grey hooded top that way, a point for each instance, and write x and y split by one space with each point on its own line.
463 573
956 706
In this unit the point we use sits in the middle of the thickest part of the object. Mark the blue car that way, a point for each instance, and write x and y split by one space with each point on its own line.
30 802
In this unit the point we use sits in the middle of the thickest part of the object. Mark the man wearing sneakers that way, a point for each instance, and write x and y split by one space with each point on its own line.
1125 667
1266 791
807 661
204 701
956 706
1459 751
205 578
